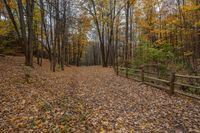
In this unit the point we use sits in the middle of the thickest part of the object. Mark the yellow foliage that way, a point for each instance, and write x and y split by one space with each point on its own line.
145 25
5 28
158 31
172 20
189 8
1 5
197 23
85 21
13 4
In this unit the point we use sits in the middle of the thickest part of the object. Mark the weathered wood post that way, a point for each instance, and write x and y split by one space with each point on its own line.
27 73
172 80
117 69
142 73
126 71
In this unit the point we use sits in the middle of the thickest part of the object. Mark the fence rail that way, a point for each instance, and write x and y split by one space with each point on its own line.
170 84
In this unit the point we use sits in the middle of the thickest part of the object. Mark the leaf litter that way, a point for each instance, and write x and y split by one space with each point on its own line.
87 99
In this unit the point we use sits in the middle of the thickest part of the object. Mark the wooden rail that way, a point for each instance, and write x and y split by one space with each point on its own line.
169 84
2 55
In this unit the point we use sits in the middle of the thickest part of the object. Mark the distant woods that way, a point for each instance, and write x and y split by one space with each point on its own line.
53 29
137 32
106 32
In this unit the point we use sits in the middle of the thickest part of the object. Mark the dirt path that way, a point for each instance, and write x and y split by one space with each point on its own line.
87 99
126 105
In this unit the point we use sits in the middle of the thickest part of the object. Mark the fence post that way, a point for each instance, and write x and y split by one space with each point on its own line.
172 80
142 74
117 70
126 72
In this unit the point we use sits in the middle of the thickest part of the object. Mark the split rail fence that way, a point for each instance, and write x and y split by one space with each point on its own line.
171 83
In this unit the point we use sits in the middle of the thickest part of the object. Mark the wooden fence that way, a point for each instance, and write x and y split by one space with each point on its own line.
170 83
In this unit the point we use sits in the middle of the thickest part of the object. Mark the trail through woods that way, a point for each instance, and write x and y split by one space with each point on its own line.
87 99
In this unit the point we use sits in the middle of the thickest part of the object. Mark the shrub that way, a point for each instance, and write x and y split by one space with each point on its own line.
153 55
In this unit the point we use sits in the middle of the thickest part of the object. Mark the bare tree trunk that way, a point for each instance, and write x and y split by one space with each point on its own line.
116 46
42 42
29 50
63 54
11 17
131 33
100 33
127 38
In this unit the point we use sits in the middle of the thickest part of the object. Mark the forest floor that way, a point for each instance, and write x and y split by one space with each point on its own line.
87 100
